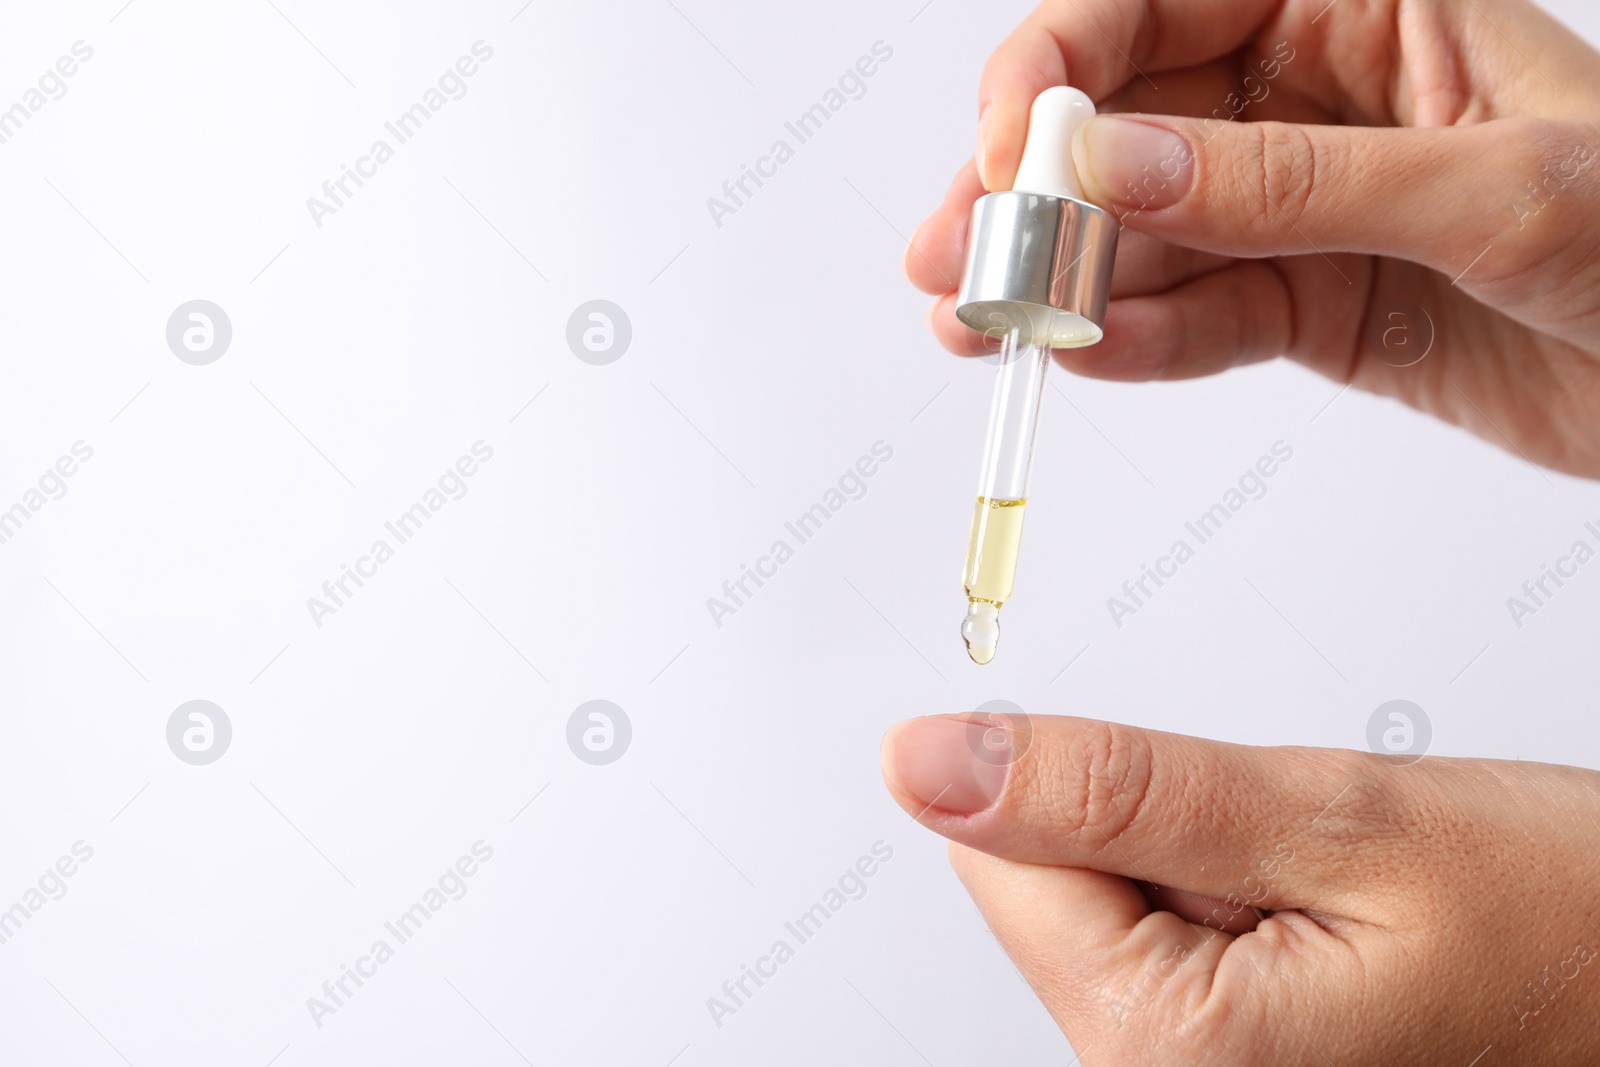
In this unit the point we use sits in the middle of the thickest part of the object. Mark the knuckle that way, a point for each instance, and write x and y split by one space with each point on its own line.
1276 172
1366 804
1100 783
1546 208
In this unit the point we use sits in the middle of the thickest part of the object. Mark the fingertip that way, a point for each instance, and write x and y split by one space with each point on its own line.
980 154
965 187
951 332
886 750
1000 136
911 250
935 252
933 256
1025 65
948 763
1241 313
1137 347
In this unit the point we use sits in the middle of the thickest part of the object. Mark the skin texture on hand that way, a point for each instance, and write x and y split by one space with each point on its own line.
1403 195
1173 900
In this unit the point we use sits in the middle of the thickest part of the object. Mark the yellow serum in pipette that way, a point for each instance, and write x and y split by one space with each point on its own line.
991 572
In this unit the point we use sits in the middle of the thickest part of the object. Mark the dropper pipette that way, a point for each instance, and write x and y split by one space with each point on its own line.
1037 277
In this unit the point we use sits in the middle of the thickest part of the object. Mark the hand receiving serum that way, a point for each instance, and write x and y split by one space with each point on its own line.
1037 277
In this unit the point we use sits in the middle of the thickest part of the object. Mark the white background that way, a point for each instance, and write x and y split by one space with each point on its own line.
767 356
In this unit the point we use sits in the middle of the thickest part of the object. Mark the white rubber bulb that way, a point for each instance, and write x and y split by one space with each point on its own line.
1046 165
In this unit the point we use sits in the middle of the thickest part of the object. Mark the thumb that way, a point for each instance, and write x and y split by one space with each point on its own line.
1228 822
1435 196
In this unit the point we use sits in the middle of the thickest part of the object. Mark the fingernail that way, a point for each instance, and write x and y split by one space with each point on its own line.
981 159
950 764
1134 163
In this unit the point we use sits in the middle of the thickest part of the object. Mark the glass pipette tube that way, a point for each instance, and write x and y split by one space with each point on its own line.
1003 487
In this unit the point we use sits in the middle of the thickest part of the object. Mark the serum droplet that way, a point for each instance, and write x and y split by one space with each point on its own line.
981 630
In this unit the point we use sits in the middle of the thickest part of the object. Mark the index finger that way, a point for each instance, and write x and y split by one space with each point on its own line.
1096 46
